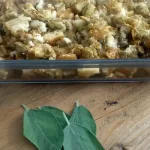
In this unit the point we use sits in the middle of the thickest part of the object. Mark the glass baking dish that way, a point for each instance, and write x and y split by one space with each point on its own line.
72 71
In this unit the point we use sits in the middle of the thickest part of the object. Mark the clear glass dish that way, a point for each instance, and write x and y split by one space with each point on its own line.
73 71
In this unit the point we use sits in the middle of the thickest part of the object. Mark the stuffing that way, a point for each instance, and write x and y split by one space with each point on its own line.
56 25
29 10
69 72
133 50
113 53
40 5
101 33
121 72
111 42
60 7
41 51
79 24
88 10
89 53
45 14
1 40
47 73
3 74
53 37
77 8
3 51
36 24
72 30
142 8
17 24
88 72
123 34
20 47
67 14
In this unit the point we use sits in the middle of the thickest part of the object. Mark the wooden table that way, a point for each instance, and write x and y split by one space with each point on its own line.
121 111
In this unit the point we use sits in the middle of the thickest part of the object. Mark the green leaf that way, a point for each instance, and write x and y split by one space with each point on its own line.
58 115
77 137
83 117
42 129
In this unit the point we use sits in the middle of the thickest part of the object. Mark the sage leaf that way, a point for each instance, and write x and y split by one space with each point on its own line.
83 117
77 137
42 129
58 114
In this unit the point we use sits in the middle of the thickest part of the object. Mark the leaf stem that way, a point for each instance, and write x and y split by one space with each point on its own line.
25 107
66 119
39 107
77 104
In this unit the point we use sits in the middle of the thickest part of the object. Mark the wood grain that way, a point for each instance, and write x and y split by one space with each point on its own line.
127 122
